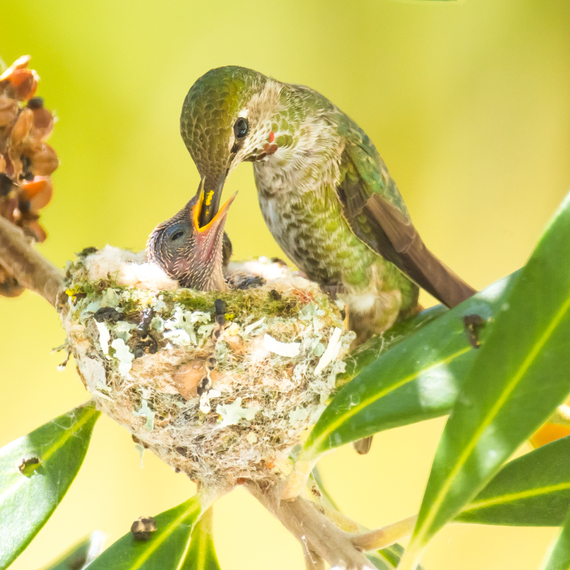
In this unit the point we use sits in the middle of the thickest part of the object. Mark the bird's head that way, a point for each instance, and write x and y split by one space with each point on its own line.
229 116
193 254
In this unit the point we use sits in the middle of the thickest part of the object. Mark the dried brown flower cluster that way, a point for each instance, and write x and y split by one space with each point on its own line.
26 161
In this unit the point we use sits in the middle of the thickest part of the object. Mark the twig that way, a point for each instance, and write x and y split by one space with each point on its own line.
385 536
312 529
30 268
296 480
363 539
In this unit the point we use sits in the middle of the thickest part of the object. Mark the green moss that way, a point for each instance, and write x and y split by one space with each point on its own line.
250 303
238 303
131 308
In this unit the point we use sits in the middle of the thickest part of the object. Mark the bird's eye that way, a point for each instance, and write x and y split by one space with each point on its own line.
241 128
176 235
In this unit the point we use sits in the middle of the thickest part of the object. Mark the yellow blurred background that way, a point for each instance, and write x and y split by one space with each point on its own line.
469 105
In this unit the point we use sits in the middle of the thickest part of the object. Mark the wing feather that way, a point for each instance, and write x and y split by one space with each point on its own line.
374 209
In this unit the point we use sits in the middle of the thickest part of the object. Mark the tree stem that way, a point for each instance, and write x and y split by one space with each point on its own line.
30 268
312 529
312 560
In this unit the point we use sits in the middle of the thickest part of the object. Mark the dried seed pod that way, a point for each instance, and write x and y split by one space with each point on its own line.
8 110
9 287
44 159
38 192
20 63
21 127
6 185
34 230
22 84
43 121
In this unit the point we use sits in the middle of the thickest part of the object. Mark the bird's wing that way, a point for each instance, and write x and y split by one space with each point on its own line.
375 211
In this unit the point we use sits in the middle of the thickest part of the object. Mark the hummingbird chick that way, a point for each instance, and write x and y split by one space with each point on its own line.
195 255
324 191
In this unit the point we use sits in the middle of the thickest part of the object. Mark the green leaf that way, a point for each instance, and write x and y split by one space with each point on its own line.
517 380
416 380
35 472
372 349
168 546
202 554
558 556
386 559
532 490
80 554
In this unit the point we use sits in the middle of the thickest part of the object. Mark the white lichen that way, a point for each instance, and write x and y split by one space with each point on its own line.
124 356
219 397
231 414
104 337
287 349
331 351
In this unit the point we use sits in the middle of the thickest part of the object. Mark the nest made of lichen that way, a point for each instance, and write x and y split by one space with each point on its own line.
26 160
219 385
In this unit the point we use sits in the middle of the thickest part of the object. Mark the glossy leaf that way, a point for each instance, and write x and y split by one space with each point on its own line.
532 490
202 554
558 556
372 349
386 559
35 472
418 379
81 554
517 380
168 546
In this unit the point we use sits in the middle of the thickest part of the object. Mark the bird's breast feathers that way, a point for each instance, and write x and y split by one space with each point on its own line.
310 164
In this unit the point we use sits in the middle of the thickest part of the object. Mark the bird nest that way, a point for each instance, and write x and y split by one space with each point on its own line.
219 385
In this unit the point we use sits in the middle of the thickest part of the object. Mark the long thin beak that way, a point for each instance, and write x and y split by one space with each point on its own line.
216 224
212 200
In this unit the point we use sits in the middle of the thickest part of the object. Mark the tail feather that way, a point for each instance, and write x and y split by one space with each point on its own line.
415 259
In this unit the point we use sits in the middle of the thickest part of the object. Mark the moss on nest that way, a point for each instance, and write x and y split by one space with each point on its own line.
219 385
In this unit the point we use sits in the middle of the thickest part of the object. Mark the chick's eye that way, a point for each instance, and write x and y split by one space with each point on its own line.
175 234
240 128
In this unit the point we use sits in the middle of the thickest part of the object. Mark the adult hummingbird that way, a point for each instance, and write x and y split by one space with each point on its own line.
325 193
196 256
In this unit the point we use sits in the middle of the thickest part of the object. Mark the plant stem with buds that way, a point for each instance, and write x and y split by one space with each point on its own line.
30 268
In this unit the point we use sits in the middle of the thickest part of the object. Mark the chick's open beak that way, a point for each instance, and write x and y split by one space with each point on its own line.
208 235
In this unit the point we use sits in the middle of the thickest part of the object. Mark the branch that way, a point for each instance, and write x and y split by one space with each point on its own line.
312 529
312 560
363 539
30 268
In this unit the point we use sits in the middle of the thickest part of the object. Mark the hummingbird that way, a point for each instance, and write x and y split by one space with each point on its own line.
196 256
324 192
